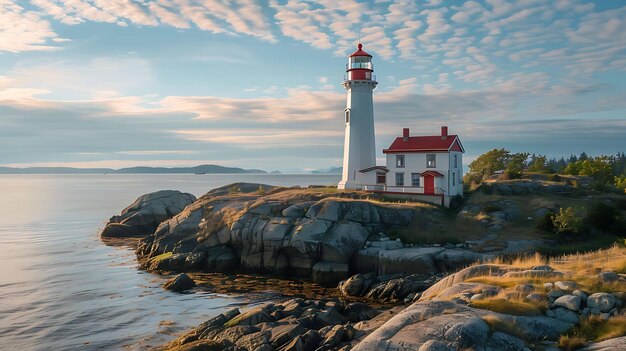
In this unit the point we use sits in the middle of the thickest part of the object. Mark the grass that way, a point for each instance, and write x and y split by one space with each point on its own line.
571 343
513 307
582 268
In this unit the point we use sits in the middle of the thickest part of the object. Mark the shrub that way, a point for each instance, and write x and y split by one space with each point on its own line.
546 222
567 222
602 216
620 183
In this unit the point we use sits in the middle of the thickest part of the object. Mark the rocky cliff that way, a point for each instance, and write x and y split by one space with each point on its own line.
315 233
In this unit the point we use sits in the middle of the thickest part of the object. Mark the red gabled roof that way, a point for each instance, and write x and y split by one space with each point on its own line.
431 173
425 143
360 52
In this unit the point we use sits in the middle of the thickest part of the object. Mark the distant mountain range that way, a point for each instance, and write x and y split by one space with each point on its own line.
207 169
332 170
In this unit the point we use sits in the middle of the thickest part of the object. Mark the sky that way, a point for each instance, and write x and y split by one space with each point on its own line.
257 84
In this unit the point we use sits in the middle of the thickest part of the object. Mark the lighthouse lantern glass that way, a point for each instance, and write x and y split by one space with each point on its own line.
360 62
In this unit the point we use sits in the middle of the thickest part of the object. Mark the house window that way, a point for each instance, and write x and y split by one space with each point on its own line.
400 161
347 115
430 160
415 180
381 178
456 161
453 179
399 179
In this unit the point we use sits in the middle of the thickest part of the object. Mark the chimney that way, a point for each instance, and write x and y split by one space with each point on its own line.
444 132
405 134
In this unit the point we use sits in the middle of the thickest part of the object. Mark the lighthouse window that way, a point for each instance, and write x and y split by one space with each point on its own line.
430 160
347 116
399 161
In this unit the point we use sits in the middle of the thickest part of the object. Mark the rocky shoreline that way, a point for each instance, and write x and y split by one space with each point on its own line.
339 239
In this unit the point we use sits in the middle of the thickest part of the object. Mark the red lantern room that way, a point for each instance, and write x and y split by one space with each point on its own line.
360 65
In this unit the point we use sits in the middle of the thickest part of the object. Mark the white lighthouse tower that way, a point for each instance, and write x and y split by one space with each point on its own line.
359 146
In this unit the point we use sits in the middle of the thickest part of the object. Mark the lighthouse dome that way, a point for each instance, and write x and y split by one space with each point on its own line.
360 52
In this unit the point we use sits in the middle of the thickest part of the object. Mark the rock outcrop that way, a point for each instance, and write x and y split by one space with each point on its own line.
292 325
144 215
301 232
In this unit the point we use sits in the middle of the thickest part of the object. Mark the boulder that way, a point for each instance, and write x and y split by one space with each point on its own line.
570 302
341 241
358 311
179 283
398 289
601 301
119 230
357 285
607 277
566 315
283 334
149 210
566 285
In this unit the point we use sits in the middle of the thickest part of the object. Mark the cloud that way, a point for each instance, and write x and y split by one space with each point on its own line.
22 30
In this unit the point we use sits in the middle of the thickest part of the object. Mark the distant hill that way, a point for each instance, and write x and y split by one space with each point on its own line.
208 169
332 170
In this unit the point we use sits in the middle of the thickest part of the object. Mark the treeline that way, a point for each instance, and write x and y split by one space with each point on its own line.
604 170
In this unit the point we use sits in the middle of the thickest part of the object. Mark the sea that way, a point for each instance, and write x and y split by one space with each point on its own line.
62 288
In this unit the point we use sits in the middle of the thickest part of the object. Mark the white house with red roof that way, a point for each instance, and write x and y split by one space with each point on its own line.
428 168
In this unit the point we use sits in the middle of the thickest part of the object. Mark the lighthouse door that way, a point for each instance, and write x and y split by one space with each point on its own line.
429 184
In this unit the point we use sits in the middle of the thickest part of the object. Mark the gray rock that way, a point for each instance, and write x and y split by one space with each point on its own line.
221 259
435 345
357 285
358 311
179 283
571 302
601 301
149 210
607 277
283 334
566 285
329 273
341 241
566 315
535 297
583 296
119 230
615 344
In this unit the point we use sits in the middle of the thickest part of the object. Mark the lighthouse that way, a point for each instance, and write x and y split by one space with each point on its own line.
359 151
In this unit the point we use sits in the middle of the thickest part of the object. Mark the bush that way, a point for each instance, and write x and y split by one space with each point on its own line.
567 222
602 216
546 222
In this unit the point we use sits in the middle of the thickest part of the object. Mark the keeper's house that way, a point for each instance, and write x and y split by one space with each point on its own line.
429 168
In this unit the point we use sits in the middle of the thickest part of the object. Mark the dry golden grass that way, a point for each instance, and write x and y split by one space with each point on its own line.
598 329
582 268
508 306
571 343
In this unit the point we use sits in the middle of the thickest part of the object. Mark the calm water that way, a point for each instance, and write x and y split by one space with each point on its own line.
61 288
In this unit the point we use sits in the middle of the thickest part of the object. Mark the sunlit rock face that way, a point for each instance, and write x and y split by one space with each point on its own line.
316 233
